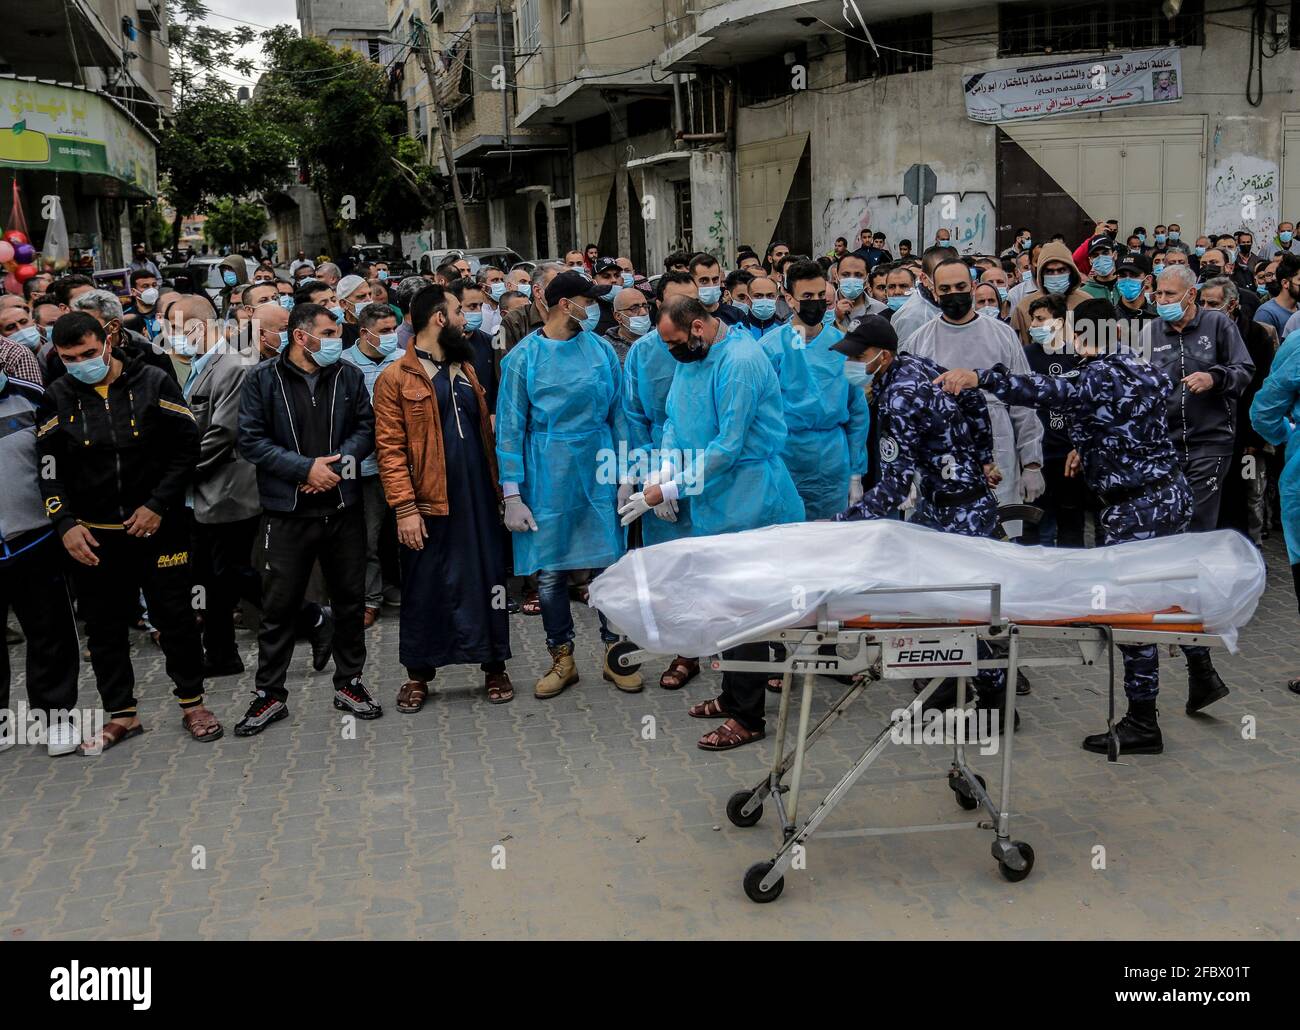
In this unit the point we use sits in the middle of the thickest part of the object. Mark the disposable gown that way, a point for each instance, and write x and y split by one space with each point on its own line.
559 417
1275 414
725 416
647 374
826 418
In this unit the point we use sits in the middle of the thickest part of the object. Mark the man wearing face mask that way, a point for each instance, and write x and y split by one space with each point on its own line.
1285 294
609 277
632 321
920 306
721 445
20 339
472 301
353 294
492 281
1283 242
1056 273
234 273
959 336
559 409
1134 289
900 284
1203 355
144 300
825 450
707 273
763 315
374 351
106 308
519 324
118 448
1103 283
852 300
306 424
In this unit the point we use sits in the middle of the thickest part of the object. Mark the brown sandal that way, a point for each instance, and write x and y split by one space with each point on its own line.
411 696
727 736
201 724
532 604
680 672
109 737
709 709
499 688
774 684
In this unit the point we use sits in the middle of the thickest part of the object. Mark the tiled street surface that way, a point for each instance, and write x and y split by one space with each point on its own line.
401 832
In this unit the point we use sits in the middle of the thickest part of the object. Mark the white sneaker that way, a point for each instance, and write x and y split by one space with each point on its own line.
63 739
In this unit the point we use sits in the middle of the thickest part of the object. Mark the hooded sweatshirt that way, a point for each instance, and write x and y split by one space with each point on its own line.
1074 296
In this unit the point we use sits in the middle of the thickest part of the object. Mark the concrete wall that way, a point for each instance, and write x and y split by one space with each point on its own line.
865 136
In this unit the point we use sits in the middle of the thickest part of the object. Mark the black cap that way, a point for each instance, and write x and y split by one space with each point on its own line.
870 331
1136 262
1100 243
606 264
567 285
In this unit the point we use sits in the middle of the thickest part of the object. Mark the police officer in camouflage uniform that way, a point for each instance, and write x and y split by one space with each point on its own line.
1115 407
943 442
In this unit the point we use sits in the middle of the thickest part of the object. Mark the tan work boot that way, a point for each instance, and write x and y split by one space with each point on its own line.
562 673
628 682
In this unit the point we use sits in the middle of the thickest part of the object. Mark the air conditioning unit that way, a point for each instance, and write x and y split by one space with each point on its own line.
150 15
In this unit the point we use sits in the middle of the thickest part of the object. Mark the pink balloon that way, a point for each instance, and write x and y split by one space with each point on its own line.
6 251
12 285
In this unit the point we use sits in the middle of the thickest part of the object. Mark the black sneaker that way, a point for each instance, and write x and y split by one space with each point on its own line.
357 700
322 640
214 669
261 713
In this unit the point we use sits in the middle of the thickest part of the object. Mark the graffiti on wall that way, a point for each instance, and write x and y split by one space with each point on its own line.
968 216
1243 194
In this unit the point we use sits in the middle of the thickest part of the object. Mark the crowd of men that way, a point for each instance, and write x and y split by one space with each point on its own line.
311 447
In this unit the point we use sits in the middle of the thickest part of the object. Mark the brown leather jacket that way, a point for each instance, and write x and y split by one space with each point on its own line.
408 436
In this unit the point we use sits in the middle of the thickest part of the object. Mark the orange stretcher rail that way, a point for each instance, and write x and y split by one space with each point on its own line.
1125 621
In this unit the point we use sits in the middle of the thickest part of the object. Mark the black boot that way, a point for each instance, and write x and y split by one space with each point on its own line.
1204 686
1138 732
996 702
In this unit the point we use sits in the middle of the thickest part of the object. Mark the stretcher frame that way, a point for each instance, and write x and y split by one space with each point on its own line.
858 646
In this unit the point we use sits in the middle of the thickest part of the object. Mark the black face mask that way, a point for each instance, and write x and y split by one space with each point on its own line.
693 350
1210 271
956 306
1274 288
811 312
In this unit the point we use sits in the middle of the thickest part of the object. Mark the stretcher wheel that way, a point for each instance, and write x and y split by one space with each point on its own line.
616 653
754 876
1016 875
965 798
736 802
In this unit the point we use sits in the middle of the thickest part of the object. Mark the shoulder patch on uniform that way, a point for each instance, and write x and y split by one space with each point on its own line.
48 426
179 409
888 448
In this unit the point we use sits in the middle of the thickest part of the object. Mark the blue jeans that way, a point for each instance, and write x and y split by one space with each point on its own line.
557 617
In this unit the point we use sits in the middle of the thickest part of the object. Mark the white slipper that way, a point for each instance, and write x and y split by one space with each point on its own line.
63 739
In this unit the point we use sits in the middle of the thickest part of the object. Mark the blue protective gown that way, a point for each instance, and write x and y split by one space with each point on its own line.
725 416
648 372
1275 414
559 416
826 418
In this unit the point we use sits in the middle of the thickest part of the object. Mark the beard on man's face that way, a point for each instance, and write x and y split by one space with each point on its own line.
455 345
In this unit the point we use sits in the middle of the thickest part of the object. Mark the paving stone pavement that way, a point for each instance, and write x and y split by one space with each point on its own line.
559 819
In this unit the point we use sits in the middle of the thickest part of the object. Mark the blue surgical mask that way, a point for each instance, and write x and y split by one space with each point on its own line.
337 312
497 290
1160 239
286 302
1142 237
741 305
28 336
182 345
525 288
1003 293
1285 235
1129 289
331 349
356 311
1170 312
851 289
1232 254
387 343
763 308
1200 251
284 339
1158 268
829 316
229 278
710 295
589 322
382 276
638 325
1056 283
612 292
1026 276
473 320
1262 290
1026 244
897 302
628 279
1042 334
1104 265
856 373
92 370
988 311
1174 235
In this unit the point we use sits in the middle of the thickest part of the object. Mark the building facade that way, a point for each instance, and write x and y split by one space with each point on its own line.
345 24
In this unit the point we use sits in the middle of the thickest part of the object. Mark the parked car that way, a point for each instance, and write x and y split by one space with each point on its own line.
498 257
204 272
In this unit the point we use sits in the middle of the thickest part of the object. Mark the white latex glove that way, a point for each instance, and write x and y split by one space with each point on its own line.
625 490
1032 484
855 490
666 511
633 509
518 518
910 503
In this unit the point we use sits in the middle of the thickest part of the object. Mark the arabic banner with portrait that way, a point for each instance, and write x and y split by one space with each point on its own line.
55 128
1076 87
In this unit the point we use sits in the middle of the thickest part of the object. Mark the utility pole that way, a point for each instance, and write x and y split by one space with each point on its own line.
420 43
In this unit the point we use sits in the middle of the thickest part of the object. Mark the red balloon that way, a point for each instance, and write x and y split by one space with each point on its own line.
16 237
24 272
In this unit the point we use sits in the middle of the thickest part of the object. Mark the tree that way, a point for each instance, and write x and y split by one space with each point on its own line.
368 174
214 147
235 222
195 47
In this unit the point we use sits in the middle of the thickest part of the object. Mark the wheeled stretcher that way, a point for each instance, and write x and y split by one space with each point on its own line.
902 647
